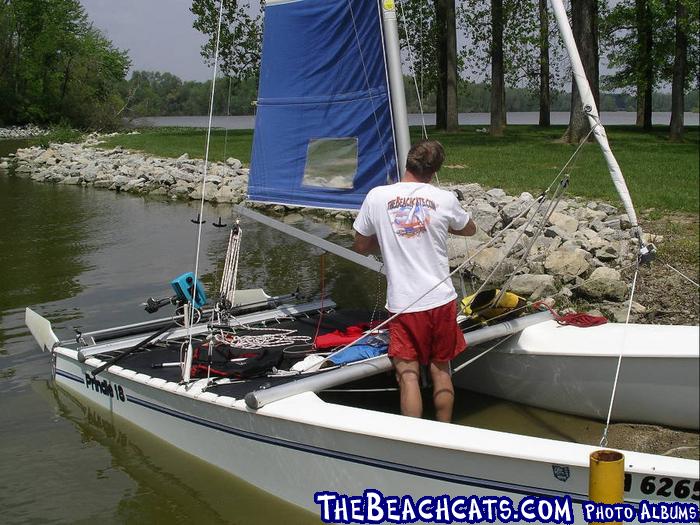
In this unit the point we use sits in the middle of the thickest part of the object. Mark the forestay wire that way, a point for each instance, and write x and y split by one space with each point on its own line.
187 365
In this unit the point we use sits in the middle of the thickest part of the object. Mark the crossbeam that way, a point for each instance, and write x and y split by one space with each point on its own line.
368 262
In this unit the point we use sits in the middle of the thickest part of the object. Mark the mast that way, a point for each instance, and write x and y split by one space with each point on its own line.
589 106
398 97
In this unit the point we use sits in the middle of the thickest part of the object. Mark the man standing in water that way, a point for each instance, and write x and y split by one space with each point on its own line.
409 222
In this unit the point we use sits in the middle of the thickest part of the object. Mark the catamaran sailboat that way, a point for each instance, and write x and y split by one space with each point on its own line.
228 384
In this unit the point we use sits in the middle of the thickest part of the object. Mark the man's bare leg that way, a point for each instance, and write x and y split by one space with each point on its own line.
408 376
443 391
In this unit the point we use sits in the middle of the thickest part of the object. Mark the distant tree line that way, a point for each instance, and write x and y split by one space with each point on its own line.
55 66
514 45
164 94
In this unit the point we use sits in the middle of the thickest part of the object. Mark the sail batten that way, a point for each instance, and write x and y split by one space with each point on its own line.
323 130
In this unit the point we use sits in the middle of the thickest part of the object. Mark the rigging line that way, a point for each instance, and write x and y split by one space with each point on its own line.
369 88
571 158
681 274
482 354
539 200
415 77
204 181
559 194
449 276
604 438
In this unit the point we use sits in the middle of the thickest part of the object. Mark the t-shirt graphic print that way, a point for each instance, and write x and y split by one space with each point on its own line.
410 216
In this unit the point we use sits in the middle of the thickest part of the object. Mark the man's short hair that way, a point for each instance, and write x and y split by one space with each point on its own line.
425 158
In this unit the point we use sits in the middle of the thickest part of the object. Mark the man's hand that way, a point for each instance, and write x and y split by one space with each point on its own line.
469 229
366 245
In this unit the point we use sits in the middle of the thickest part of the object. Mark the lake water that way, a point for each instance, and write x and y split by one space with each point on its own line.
88 258
472 119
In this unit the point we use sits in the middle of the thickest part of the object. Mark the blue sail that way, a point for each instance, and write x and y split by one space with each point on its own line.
323 133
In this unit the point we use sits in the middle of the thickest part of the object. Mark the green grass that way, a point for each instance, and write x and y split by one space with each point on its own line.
173 142
660 174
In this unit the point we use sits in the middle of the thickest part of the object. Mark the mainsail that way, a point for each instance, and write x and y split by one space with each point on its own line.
323 129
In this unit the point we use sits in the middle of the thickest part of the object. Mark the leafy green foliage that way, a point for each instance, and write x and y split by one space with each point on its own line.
164 94
520 42
240 39
619 28
59 133
56 65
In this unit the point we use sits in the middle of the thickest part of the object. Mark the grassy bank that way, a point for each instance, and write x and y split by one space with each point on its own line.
660 174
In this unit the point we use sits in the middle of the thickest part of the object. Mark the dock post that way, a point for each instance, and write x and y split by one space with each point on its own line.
607 477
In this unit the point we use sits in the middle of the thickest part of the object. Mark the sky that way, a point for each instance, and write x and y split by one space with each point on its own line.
157 33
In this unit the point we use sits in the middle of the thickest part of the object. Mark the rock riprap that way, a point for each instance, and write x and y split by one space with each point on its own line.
581 251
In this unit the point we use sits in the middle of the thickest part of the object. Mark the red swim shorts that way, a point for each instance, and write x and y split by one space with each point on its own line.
431 335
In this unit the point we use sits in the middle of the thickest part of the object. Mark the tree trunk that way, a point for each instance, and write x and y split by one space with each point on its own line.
645 86
680 70
544 64
451 116
441 46
640 105
584 21
498 88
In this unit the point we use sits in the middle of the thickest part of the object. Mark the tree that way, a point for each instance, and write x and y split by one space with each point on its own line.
522 52
447 117
544 89
241 35
679 72
57 66
498 85
428 33
685 67
584 22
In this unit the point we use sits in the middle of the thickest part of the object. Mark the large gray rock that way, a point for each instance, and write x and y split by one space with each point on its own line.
606 253
567 264
542 247
514 242
555 232
587 214
485 216
459 248
515 208
228 194
565 222
496 193
604 283
486 260
607 208
527 284
234 164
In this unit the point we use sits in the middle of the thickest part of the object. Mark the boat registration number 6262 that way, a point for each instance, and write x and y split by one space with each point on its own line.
666 487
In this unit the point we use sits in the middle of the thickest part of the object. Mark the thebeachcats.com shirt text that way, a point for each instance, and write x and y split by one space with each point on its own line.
374 507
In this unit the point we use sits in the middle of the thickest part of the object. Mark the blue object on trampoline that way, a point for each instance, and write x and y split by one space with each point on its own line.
184 288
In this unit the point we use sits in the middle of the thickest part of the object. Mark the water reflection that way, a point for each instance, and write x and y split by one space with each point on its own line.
165 485
43 240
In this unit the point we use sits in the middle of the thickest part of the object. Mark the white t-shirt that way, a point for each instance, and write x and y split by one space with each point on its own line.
411 222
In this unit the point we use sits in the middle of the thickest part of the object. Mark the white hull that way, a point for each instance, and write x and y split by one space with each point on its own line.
572 370
298 446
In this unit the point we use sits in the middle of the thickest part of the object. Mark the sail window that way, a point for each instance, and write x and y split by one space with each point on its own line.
331 163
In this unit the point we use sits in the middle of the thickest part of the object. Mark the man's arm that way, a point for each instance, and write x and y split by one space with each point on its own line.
365 245
469 229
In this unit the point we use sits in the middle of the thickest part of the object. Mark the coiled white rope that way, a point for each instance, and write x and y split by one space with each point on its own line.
275 337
